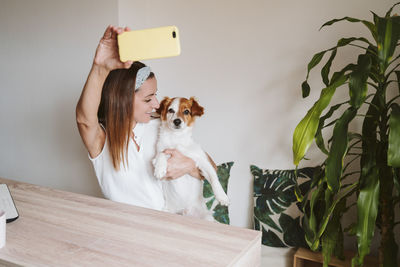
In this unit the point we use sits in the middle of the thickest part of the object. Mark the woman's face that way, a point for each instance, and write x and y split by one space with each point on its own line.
145 101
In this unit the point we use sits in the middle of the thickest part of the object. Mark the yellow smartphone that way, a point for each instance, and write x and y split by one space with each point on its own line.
149 43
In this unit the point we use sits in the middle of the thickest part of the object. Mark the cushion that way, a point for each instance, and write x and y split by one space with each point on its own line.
276 210
220 213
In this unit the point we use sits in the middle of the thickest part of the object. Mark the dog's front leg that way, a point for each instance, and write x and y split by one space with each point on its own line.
211 176
160 163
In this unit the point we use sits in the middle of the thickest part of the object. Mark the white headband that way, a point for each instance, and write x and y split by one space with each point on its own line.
141 76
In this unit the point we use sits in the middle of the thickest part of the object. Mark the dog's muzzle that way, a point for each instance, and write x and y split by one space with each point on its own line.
177 122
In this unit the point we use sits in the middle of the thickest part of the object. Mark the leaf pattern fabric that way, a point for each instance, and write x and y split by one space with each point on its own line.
220 213
276 210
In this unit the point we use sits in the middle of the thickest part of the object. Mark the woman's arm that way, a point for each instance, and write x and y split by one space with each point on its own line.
105 60
179 165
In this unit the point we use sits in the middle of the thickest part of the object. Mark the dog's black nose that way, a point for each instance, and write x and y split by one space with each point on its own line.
177 122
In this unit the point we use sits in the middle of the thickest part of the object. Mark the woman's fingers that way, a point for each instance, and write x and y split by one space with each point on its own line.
108 32
169 151
112 32
127 64
119 30
178 164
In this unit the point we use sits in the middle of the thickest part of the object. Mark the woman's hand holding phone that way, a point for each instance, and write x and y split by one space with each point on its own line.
107 56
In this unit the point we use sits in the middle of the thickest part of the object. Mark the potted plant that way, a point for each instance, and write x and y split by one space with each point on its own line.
375 150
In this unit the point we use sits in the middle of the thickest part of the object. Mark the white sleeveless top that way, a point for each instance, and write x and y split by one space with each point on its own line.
135 183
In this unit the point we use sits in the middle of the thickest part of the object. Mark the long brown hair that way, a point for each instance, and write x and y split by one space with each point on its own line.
116 110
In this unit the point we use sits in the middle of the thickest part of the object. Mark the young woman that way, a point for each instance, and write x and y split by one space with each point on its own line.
114 120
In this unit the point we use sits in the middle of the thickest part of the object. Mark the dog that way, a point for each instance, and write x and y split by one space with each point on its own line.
185 194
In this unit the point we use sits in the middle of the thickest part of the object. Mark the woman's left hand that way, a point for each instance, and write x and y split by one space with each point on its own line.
179 165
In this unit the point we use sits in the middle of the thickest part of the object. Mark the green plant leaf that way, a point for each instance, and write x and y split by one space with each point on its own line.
346 41
309 234
390 10
339 248
367 202
334 162
394 137
367 210
316 59
312 218
318 136
303 190
337 75
328 212
358 81
305 88
369 141
333 233
369 25
325 69
388 30
306 129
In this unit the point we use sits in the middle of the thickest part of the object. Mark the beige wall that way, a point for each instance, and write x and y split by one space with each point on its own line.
46 50
243 60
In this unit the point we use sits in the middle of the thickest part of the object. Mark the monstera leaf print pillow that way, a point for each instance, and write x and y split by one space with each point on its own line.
220 213
276 210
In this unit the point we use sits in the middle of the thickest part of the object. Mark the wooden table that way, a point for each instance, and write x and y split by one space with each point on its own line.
58 228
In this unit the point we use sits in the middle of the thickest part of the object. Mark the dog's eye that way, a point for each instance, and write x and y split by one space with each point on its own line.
171 110
186 112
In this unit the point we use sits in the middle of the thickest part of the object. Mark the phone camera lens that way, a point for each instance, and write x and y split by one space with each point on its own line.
174 34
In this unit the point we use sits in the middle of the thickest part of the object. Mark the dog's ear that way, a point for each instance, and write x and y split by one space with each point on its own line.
163 105
197 110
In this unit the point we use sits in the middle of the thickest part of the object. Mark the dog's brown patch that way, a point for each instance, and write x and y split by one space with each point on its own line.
162 110
189 109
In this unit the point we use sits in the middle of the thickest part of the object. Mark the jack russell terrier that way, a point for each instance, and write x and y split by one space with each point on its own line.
185 194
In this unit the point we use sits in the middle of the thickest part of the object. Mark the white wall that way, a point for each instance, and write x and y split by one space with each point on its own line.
46 50
243 60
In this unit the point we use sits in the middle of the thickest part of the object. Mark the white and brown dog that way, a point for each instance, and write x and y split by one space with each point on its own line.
185 194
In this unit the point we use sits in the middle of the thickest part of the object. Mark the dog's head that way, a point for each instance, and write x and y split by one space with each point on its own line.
179 113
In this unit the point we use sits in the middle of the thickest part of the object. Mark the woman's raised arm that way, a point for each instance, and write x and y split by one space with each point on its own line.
106 59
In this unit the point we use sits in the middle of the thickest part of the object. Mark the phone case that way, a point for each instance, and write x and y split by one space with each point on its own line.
149 44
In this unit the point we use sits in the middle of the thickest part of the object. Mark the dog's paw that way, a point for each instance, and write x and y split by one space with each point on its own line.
160 172
222 199
160 169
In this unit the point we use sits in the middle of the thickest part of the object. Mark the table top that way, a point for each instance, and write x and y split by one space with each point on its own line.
69 229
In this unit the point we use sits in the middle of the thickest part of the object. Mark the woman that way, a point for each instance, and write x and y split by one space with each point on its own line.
114 120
